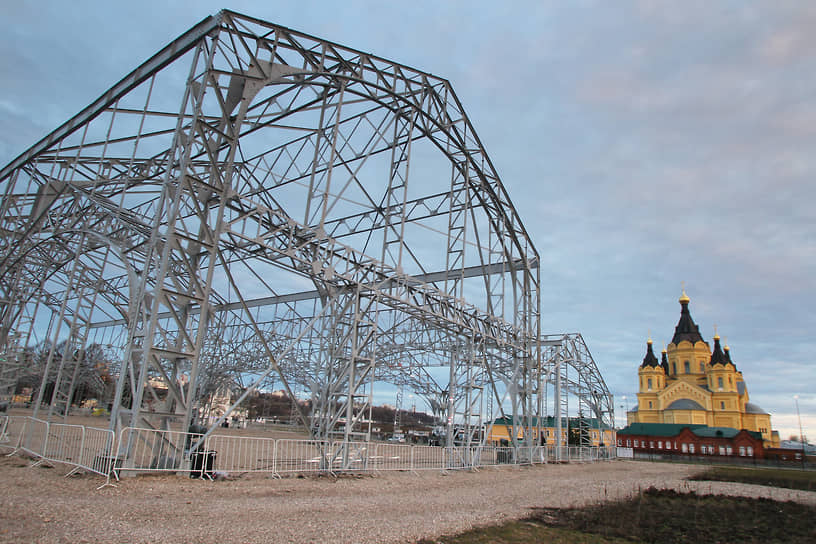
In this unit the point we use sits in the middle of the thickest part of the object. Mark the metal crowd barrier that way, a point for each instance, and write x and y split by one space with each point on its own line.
235 454
149 450
64 443
296 456
392 457
541 455
98 451
136 451
13 428
427 457
35 437
86 448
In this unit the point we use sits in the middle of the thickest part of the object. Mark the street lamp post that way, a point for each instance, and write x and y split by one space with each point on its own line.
626 413
801 434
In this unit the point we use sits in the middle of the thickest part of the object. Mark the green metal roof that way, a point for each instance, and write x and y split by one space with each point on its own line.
549 421
657 429
716 432
673 429
722 432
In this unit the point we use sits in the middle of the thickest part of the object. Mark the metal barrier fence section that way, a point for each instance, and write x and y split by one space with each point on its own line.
35 437
74 445
64 443
295 456
541 455
136 451
427 457
459 458
493 456
351 456
793 462
393 457
98 451
148 450
234 454
12 430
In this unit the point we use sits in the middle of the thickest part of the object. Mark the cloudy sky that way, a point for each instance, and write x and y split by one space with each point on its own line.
645 143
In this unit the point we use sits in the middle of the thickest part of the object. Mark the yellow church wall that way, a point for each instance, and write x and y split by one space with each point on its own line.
685 390
695 354
651 379
760 423
678 416
728 420
726 402
688 378
726 374
648 416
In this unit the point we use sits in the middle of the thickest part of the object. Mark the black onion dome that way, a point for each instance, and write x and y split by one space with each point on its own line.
649 359
717 356
686 329
664 362
727 352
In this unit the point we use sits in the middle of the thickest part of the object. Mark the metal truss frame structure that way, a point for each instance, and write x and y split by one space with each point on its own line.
253 203
570 373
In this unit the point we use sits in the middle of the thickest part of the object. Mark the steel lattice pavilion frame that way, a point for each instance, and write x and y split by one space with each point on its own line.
259 203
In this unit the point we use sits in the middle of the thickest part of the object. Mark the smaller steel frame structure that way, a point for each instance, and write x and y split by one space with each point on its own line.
257 205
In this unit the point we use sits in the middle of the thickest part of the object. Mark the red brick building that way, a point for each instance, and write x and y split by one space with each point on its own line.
691 440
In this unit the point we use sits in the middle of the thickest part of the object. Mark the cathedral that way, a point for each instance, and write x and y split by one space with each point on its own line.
695 385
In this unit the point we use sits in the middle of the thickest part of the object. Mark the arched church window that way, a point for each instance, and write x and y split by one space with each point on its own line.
702 366
720 382
650 383
687 367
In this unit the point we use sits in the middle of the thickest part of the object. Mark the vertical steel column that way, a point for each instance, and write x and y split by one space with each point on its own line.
396 194
73 353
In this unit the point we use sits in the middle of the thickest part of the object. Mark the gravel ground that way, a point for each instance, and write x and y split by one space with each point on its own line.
39 504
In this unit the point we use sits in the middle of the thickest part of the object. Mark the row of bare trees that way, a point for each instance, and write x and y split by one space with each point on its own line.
94 379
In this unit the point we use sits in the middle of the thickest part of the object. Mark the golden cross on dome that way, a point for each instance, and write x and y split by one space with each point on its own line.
683 296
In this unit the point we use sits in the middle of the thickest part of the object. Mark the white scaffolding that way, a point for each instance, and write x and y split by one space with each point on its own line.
257 203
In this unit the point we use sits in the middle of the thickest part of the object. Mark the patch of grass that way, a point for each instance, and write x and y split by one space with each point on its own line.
667 516
524 532
775 477
657 516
